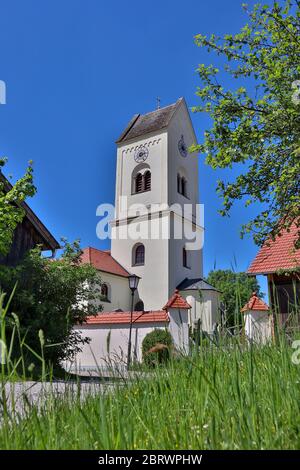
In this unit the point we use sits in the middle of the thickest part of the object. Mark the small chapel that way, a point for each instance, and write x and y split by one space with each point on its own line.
156 236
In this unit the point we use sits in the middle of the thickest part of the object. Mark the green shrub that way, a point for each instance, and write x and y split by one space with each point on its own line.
157 338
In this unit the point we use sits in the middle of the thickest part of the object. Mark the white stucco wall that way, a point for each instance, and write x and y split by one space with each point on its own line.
156 144
179 329
181 125
109 343
258 326
204 308
178 272
153 287
119 292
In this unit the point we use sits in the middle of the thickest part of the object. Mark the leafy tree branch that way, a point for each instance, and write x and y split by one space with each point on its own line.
257 123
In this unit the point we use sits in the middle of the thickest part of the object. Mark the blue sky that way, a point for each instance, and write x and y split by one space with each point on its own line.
76 71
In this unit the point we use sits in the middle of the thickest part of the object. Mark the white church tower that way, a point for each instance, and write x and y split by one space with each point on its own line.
155 171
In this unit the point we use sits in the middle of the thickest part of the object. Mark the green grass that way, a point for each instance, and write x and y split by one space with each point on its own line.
226 396
229 397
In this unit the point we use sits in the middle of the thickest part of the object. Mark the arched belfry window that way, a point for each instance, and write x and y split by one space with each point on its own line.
141 178
138 255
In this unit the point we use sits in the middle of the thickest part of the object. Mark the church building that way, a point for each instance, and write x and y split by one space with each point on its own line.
156 233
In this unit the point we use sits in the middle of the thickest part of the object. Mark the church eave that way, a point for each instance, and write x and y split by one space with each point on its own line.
128 128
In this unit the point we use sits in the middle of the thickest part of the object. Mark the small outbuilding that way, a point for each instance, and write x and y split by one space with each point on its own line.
257 320
205 303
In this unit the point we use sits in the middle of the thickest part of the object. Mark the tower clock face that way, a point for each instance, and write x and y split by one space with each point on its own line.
141 154
182 147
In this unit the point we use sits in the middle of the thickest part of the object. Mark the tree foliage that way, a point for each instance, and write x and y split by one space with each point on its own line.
11 213
257 122
236 290
52 295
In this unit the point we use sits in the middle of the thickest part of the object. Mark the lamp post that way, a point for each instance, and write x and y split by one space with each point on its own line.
133 284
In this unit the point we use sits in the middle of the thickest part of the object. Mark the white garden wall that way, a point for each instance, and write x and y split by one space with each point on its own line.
109 342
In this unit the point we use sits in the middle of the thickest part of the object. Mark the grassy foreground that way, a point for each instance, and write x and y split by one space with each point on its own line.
223 398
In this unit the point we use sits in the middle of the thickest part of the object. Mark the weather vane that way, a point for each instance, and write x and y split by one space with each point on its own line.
158 102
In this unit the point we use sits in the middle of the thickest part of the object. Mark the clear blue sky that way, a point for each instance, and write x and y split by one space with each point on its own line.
76 71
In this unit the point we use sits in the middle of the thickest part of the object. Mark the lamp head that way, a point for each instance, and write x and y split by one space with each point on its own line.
133 280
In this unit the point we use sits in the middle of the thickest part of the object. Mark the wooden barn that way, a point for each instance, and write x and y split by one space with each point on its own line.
29 233
279 260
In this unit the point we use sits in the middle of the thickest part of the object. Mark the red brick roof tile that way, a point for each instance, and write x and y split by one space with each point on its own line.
108 318
103 261
277 254
176 301
255 303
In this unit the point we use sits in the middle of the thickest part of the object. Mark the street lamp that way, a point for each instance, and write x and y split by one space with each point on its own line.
133 285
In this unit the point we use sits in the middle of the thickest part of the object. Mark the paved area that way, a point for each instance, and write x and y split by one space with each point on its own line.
21 395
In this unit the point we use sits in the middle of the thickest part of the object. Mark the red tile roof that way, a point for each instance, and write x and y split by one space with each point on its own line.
255 303
277 254
108 318
176 301
103 261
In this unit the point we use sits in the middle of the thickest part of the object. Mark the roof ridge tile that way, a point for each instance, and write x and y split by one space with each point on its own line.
255 303
177 301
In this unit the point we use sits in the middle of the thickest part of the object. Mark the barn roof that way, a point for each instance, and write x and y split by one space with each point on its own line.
103 261
50 243
117 318
278 254
142 124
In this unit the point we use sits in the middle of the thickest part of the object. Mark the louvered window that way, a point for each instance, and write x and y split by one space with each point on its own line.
139 183
147 181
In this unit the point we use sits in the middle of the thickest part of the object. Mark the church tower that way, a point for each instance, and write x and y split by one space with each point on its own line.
156 204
